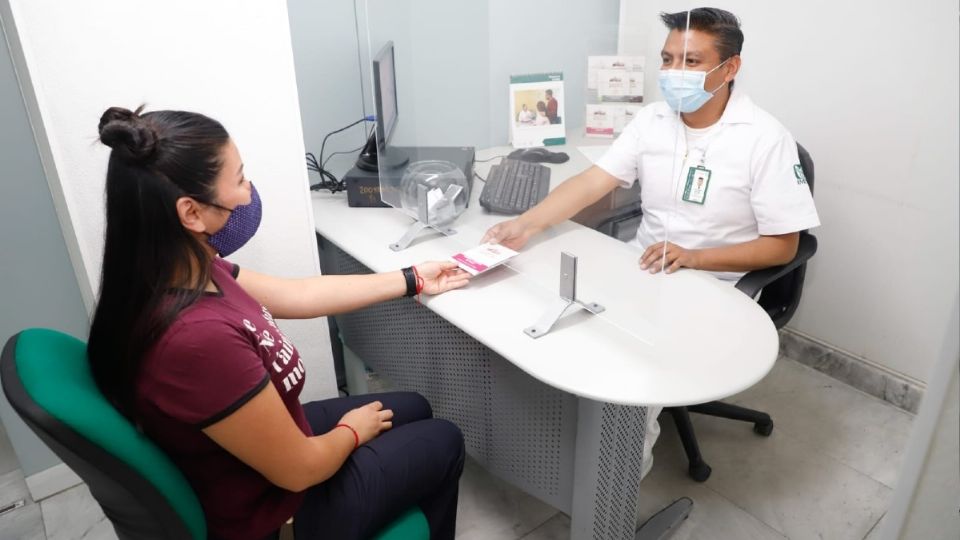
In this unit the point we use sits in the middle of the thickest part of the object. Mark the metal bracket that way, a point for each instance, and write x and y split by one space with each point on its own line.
423 215
568 297
664 523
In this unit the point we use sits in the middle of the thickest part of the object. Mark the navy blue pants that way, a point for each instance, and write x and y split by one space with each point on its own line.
416 463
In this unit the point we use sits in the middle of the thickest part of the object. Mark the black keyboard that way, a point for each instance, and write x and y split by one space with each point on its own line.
514 186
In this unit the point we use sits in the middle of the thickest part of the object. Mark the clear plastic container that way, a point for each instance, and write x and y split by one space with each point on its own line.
441 185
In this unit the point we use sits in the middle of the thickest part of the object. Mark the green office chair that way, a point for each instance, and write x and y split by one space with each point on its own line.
47 379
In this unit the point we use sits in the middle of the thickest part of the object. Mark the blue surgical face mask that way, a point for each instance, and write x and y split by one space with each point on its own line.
683 89
240 227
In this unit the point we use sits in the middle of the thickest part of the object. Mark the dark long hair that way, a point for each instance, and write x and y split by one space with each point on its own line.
152 266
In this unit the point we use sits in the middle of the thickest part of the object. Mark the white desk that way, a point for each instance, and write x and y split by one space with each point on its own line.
675 339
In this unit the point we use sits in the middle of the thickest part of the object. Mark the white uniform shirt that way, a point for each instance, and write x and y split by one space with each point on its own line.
756 186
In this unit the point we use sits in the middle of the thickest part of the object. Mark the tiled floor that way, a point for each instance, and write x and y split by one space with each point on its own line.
825 472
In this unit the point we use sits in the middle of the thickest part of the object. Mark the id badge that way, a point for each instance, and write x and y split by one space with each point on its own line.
698 180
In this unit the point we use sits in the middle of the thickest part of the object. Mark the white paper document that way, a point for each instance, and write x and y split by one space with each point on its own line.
620 86
483 257
620 63
609 119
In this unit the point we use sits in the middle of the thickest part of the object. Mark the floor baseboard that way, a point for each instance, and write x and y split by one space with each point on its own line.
855 371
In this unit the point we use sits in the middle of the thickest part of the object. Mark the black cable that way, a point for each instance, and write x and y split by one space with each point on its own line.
340 153
327 179
482 179
324 143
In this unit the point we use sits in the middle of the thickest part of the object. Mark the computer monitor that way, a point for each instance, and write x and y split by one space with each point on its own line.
385 104
385 92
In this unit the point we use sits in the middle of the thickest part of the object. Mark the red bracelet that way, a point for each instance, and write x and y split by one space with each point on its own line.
356 438
419 282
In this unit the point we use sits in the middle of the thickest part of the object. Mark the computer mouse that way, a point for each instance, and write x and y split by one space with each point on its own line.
539 155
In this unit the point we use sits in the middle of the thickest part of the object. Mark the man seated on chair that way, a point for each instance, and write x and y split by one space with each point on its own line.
735 197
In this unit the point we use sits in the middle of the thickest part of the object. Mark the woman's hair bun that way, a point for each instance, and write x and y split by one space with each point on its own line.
127 133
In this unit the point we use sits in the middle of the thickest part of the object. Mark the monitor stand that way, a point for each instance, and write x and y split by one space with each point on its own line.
372 160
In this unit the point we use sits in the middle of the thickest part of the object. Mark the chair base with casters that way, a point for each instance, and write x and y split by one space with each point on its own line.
698 468
779 290
46 377
779 295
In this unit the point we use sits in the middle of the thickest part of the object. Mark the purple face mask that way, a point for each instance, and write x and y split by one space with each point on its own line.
240 227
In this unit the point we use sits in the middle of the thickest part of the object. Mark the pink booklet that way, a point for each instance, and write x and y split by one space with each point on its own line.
483 257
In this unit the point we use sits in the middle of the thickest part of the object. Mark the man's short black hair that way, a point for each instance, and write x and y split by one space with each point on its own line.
722 25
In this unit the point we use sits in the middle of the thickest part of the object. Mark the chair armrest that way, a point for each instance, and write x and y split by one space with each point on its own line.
627 212
751 283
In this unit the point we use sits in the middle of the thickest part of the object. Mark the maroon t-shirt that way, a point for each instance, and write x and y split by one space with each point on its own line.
218 354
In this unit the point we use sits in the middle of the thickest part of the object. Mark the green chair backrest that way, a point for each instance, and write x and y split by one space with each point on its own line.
51 368
47 378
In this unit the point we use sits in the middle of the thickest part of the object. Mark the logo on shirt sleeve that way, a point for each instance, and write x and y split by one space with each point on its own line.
798 172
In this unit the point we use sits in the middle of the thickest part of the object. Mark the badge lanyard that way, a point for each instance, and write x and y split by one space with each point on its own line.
698 177
673 175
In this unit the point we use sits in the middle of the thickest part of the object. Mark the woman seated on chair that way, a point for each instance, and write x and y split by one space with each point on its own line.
186 345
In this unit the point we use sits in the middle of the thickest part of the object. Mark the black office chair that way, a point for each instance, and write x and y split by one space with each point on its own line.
779 288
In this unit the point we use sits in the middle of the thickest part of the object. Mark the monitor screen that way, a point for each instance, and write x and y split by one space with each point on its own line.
385 93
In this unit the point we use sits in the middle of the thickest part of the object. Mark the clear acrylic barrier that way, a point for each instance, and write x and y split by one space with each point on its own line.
453 68
462 73
453 118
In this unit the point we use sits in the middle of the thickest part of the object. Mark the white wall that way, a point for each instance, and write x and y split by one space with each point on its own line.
231 60
455 58
871 90
926 498
328 77
534 36
933 512
39 286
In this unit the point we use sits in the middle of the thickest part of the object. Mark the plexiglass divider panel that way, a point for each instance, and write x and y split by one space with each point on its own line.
439 82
